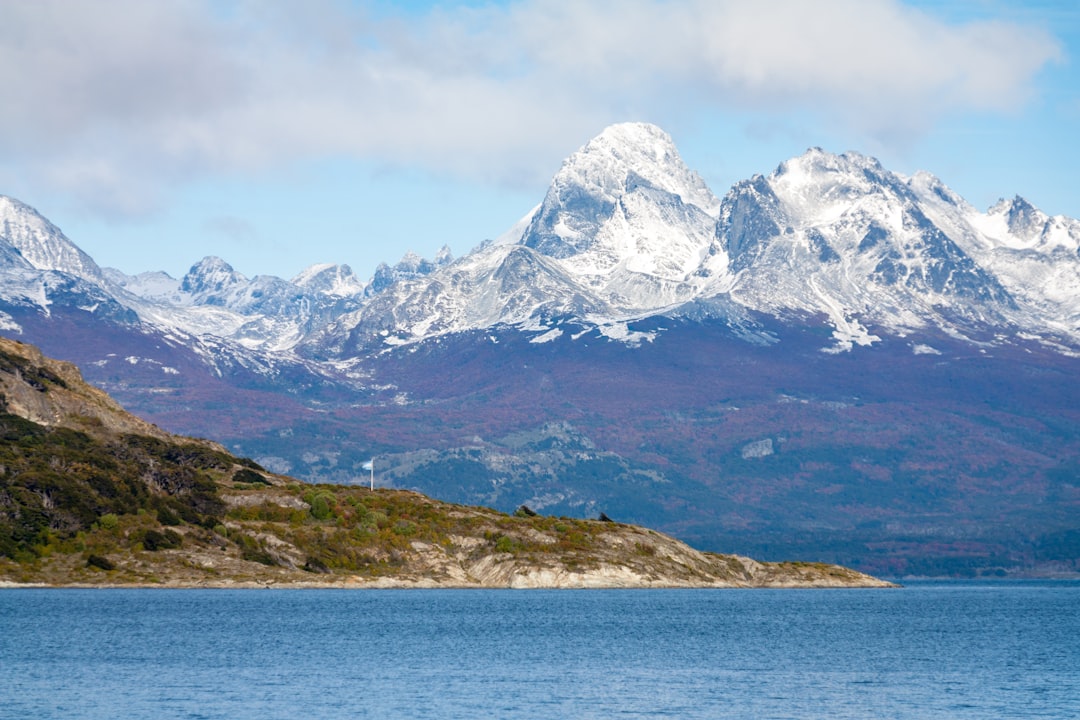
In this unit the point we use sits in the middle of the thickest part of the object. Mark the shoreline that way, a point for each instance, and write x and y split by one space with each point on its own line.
406 585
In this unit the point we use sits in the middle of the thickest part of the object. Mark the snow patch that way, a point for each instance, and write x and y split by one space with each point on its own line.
847 335
550 335
621 332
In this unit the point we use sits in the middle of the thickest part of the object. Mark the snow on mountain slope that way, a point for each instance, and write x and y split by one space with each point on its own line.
627 231
410 267
264 312
1034 256
155 285
625 202
841 236
41 243
497 284
329 279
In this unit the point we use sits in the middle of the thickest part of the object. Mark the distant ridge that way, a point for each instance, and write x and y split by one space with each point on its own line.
627 231
830 361
93 496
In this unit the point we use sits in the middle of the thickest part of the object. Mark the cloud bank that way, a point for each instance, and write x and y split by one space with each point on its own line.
115 102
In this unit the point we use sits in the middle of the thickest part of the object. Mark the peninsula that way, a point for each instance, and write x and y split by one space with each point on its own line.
93 496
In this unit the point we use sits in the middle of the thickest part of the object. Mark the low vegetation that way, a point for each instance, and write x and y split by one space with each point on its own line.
84 503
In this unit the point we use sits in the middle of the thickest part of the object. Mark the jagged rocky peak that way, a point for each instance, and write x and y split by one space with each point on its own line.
211 276
816 182
623 159
41 243
329 279
410 267
411 262
627 154
823 228
1018 224
749 217
816 161
444 256
1022 218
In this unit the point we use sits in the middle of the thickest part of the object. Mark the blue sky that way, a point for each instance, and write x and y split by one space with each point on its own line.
278 135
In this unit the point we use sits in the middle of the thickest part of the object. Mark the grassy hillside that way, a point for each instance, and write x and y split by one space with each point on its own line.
84 500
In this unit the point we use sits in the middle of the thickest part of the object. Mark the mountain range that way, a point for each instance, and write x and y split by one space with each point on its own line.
832 361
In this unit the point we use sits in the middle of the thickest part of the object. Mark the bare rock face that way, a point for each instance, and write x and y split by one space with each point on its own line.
52 393
758 449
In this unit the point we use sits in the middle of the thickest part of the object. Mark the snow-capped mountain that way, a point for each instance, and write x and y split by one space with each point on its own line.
627 231
40 268
1035 257
839 236
337 281
677 339
410 267
41 244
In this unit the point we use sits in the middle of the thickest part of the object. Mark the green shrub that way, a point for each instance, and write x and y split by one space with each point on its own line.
404 527
100 562
506 544
246 475
254 551
166 516
320 506
108 521
153 540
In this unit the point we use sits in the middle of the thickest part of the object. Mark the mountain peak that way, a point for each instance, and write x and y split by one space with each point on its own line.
444 256
1023 219
329 279
817 185
631 153
211 276
41 243
820 166
410 267
629 175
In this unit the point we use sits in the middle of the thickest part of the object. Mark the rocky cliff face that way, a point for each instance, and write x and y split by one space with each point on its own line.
52 393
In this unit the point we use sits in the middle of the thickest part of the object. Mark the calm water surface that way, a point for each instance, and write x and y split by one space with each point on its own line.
1005 650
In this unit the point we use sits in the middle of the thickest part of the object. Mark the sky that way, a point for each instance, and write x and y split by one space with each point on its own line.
277 135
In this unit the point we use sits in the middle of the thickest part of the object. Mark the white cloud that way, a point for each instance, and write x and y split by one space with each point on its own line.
115 101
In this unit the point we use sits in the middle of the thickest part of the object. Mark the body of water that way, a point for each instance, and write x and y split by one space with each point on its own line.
948 650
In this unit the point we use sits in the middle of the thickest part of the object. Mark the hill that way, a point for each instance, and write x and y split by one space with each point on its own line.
92 495
831 361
